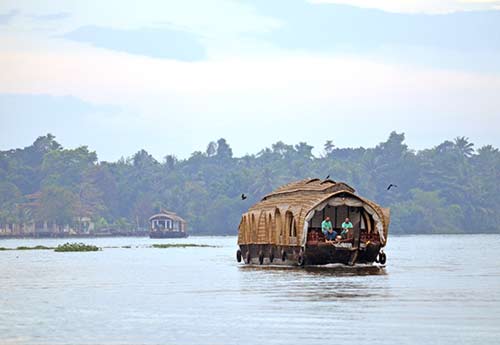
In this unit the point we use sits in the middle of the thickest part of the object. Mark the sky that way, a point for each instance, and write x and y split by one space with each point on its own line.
171 76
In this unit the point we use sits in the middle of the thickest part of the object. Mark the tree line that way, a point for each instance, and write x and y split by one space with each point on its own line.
450 188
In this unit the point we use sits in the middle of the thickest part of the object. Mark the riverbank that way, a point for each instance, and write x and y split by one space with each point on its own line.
76 236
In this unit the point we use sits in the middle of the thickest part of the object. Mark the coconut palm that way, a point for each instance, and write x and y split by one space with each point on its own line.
465 147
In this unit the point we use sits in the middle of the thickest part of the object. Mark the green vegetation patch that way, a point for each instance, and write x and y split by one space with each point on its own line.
181 245
76 247
453 187
27 248
34 248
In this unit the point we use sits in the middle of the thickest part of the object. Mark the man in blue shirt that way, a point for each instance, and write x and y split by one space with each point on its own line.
327 229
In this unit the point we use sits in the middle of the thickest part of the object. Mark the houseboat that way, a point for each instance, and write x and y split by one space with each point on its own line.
284 228
167 224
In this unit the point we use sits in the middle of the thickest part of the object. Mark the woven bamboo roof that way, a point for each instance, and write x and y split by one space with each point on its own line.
304 194
167 214
316 186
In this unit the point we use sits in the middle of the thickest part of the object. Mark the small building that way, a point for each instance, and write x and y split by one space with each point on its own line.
285 226
167 224
32 226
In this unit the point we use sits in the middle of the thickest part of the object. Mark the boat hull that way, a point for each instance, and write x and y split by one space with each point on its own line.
168 234
323 254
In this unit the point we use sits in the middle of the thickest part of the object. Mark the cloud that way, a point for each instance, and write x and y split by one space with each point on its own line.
419 6
7 17
340 28
309 74
24 117
159 43
189 104
52 16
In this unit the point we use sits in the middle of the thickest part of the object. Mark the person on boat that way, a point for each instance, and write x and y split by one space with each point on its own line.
346 226
327 229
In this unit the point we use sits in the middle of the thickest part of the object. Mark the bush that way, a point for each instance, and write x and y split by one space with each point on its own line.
76 247
34 248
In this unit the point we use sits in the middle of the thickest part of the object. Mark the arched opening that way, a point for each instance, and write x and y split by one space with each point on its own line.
270 228
290 225
241 230
278 229
351 219
253 228
247 229
262 228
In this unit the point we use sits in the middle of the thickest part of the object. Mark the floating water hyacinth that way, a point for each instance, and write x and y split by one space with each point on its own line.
76 247
181 245
28 248
34 248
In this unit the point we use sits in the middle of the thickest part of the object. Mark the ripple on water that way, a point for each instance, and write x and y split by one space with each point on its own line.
426 293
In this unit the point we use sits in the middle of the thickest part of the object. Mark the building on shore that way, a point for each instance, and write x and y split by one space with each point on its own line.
32 227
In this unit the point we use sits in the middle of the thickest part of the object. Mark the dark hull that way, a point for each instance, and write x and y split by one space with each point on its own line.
168 234
321 254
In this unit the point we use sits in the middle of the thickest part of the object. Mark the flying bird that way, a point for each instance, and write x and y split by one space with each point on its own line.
243 196
392 185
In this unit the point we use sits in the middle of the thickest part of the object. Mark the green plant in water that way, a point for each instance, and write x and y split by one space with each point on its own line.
76 247
34 248
181 245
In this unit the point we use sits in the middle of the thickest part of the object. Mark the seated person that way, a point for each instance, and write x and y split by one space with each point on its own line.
346 226
327 229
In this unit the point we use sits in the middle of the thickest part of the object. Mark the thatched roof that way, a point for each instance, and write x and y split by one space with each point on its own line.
299 198
314 187
167 214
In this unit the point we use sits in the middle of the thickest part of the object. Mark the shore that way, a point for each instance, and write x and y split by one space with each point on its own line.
80 235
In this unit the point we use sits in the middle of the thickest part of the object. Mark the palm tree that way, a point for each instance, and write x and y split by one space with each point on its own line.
329 146
465 147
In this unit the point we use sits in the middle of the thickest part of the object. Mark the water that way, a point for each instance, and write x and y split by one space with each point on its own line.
435 290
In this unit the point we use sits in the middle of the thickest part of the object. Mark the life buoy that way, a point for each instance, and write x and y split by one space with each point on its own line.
261 257
300 258
238 255
382 258
283 255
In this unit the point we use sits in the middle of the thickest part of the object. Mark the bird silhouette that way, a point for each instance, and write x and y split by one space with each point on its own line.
243 196
392 185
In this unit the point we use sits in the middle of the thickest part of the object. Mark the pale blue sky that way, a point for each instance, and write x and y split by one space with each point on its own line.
170 76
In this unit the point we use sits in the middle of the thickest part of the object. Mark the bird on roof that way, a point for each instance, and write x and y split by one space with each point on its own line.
392 185
243 196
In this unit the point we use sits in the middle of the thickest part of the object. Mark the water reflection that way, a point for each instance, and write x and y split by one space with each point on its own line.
314 284
342 270
331 270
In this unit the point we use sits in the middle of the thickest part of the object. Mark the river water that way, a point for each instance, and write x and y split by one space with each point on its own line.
434 290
